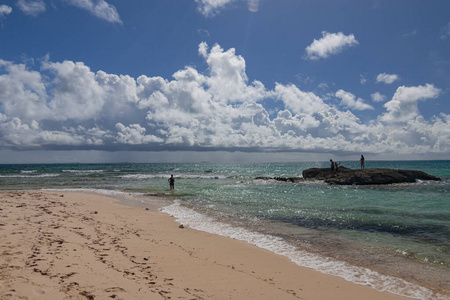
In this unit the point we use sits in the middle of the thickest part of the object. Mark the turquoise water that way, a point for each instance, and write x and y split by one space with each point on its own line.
395 230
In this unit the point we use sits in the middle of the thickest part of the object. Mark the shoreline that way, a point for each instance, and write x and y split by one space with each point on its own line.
307 256
57 245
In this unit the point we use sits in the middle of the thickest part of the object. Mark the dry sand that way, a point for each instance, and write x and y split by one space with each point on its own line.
80 246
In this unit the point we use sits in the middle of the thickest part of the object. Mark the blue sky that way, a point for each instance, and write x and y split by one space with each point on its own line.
104 80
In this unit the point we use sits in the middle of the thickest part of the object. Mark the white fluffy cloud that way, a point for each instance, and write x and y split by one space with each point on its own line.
329 44
22 92
5 10
66 104
348 100
403 106
378 97
99 8
32 8
387 78
299 102
211 7
228 81
134 135
76 94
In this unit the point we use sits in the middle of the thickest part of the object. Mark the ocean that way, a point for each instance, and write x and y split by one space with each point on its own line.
395 238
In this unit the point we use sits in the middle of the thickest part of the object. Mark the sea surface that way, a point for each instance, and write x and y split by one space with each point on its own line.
394 237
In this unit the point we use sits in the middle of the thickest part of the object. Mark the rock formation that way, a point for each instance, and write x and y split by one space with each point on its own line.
346 176
285 179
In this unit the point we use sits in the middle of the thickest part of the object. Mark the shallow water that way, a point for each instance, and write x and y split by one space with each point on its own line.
400 230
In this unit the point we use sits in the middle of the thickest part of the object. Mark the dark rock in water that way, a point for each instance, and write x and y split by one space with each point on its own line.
285 179
345 176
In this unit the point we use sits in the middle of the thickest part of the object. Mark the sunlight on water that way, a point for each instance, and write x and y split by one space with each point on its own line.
405 225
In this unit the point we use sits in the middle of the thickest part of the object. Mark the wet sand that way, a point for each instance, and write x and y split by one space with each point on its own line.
80 246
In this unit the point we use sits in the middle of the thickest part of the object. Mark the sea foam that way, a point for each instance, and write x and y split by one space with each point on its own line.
358 275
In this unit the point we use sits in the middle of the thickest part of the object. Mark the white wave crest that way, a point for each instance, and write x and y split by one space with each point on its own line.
358 275
29 176
159 176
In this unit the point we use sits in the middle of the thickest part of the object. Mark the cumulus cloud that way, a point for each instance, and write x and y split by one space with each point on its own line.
299 102
22 92
387 78
66 104
5 10
134 135
99 8
329 44
68 97
348 100
378 97
228 81
403 106
32 8
209 8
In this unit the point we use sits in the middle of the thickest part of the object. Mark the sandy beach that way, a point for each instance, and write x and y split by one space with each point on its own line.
60 245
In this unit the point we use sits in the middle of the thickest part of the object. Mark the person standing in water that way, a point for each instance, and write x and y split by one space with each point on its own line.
362 161
172 182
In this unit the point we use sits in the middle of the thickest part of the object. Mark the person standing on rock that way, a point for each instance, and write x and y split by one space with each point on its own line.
332 165
362 161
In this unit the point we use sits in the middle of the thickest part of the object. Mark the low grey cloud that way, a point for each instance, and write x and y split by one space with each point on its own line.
66 105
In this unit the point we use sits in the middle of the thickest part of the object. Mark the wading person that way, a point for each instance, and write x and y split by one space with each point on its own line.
172 182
